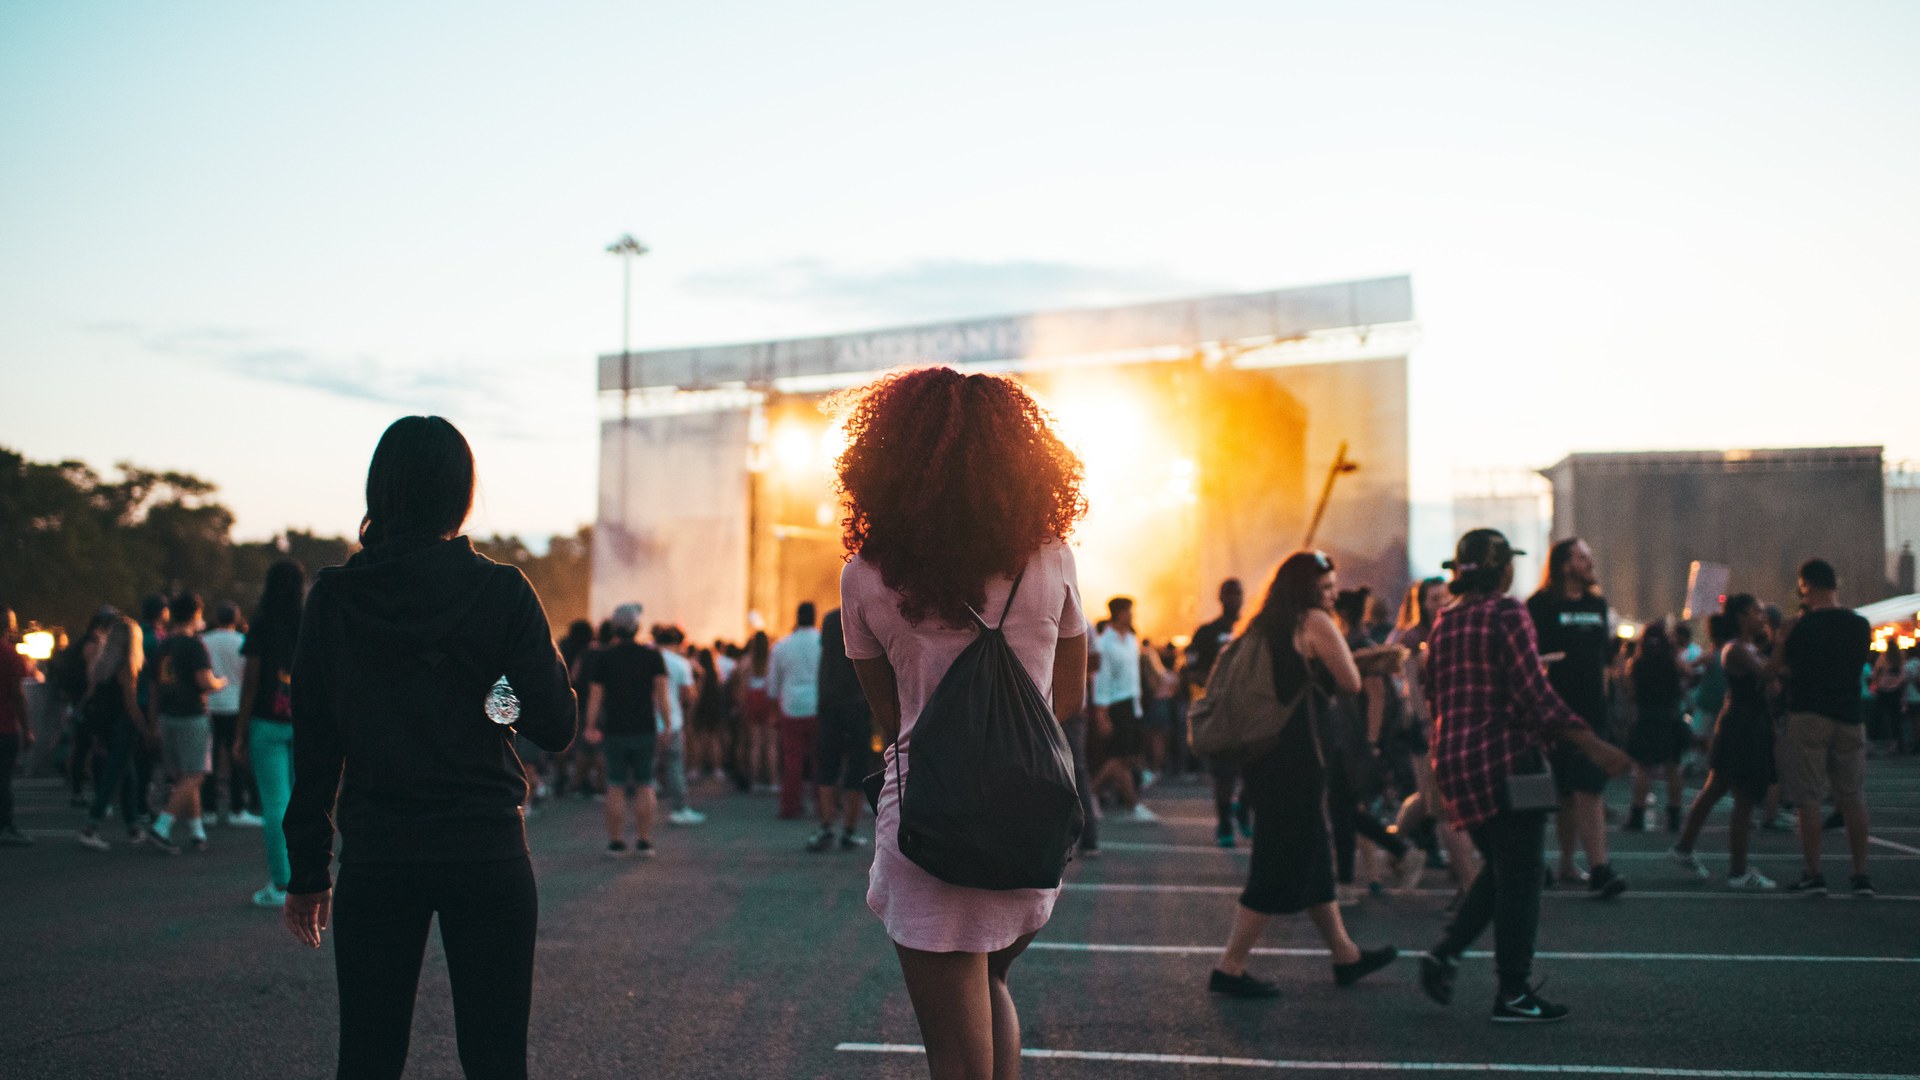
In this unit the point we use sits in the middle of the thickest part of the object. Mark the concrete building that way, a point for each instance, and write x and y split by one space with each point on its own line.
1208 426
1761 513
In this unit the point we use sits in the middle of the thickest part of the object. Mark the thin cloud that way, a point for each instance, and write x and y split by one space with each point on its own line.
494 396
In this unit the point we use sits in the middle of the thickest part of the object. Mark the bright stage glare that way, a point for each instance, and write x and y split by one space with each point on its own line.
36 646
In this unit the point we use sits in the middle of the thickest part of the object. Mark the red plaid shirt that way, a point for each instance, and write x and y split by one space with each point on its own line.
1491 702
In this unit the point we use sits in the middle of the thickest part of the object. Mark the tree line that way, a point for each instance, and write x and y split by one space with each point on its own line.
73 539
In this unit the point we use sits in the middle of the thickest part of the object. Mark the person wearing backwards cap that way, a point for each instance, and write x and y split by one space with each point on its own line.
1494 713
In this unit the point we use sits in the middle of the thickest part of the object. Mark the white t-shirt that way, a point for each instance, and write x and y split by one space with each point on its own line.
679 677
793 673
223 647
1119 676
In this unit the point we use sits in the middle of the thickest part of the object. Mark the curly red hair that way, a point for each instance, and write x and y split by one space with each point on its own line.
951 479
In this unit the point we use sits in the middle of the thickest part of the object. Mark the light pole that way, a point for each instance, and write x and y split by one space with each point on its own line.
626 247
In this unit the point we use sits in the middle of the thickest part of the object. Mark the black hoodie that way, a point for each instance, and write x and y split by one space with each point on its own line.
398 651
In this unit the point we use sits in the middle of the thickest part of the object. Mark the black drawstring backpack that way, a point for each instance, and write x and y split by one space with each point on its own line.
989 801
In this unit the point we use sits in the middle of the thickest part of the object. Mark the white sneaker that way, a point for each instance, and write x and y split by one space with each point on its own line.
1142 814
270 897
246 819
1692 862
92 839
686 816
1752 879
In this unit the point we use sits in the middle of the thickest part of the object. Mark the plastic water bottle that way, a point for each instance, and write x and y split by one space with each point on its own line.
503 705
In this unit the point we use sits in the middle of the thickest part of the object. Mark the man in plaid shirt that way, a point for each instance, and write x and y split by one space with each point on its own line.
1492 707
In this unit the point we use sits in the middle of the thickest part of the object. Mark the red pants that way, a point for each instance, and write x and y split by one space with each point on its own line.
799 735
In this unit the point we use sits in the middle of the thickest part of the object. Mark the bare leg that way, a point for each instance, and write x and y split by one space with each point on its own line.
850 811
1703 804
1565 826
1808 813
1247 927
1460 853
954 1006
644 805
1006 1021
1590 819
1642 784
616 807
1737 831
1675 790
1333 931
1853 809
1117 774
827 797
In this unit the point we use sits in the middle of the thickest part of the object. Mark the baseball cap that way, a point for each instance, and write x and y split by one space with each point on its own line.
626 618
1481 549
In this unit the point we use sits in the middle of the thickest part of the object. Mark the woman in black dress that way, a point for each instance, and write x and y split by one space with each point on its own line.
1292 865
1660 734
1741 759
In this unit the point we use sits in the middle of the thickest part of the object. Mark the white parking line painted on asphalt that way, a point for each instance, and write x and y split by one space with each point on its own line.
1214 950
1894 846
1629 856
1392 1066
1557 894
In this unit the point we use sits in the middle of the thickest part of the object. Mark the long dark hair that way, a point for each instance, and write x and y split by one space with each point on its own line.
276 619
949 480
1559 557
1413 607
1294 591
1655 668
420 484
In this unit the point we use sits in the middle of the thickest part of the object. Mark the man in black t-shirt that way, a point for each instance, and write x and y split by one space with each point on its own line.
627 707
1209 641
182 678
844 756
1822 658
1570 621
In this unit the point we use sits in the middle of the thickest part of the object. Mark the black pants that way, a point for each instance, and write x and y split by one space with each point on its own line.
1506 894
1350 819
488 914
9 756
241 792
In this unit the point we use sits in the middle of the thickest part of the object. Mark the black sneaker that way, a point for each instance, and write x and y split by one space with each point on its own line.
1371 960
820 841
1810 885
1436 976
1603 883
852 841
616 848
1241 986
1863 885
643 848
1528 1008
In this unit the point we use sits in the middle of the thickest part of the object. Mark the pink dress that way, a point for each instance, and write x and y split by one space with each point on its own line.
919 910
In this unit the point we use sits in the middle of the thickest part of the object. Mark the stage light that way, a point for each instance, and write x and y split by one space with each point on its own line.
1627 631
37 646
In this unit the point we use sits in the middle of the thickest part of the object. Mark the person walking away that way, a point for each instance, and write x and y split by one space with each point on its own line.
112 711
628 702
16 728
793 683
756 713
264 742
184 679
1203 649
1424 810
1292 865
1660 732
398 656
1493 712
682 689
709 730
1116 709
1575 637
1356 766
958 488
1741 756
845 752
1825 748
223 643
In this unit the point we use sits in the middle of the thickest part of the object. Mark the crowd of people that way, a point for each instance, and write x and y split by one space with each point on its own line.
1442 738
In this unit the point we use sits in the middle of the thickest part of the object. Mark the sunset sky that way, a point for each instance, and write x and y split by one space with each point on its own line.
239 239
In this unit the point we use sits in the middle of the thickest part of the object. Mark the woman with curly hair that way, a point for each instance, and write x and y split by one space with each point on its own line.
955 485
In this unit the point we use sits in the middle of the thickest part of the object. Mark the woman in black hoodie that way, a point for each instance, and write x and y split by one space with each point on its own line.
399 650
